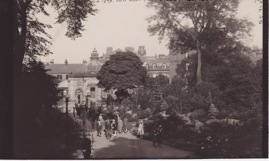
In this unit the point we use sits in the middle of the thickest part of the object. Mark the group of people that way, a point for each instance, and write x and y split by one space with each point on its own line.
111 127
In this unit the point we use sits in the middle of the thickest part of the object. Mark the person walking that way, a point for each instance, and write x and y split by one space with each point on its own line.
125 122
157 135
154 134
141 129
99 127
102 122
114 128
107 129
120 124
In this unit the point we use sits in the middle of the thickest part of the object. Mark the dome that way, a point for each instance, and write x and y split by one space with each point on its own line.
94 66
94 55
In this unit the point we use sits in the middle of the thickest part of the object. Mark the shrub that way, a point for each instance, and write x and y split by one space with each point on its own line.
229 141
141 114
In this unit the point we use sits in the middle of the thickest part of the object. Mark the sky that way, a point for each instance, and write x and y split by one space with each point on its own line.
122 24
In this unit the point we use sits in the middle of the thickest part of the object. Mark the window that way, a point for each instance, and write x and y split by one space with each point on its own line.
92 92
78 98
164 66
59 76
66 76
154 66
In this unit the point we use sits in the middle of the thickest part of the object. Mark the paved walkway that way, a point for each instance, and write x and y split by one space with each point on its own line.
51 144
128 146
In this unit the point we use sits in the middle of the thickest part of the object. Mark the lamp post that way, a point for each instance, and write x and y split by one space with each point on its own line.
87 99
84 113
66 96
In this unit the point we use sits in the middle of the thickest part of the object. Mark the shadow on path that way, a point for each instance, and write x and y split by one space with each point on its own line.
49 142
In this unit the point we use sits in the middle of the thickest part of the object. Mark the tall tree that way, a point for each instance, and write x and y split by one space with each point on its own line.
39 91
123 71
31 37
235 78
203 26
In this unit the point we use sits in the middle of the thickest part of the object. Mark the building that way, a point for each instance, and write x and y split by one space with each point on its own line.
141 51
80 82
156 65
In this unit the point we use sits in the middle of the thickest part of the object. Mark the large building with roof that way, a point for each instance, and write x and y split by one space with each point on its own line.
80 82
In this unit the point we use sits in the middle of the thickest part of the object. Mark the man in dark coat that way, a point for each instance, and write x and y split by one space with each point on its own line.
157 135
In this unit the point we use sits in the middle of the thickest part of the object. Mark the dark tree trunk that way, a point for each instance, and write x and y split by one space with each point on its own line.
19 52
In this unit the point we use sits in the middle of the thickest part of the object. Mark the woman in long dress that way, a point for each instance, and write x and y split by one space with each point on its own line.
125 124
120 124
141 129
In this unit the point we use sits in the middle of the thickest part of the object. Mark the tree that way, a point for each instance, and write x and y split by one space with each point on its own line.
162 80
31 37
123 71
236 80
40 92
204 26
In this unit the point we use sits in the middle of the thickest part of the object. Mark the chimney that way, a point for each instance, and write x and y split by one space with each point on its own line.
84 61
52 61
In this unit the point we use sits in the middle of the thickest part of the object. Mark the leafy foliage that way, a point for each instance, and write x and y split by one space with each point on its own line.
231 142
40 87
39 91
32 38
123 71
203 26
234 81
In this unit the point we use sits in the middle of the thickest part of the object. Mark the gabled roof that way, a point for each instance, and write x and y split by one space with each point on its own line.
64 68
158 61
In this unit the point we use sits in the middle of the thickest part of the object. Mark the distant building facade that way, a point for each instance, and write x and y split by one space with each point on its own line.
141 51
80 82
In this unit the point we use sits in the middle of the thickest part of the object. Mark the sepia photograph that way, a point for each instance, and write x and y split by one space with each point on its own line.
138 79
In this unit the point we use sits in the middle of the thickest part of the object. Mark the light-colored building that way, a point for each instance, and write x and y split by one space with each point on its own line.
157 65
80 82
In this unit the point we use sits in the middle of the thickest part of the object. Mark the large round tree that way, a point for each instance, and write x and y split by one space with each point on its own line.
122 72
